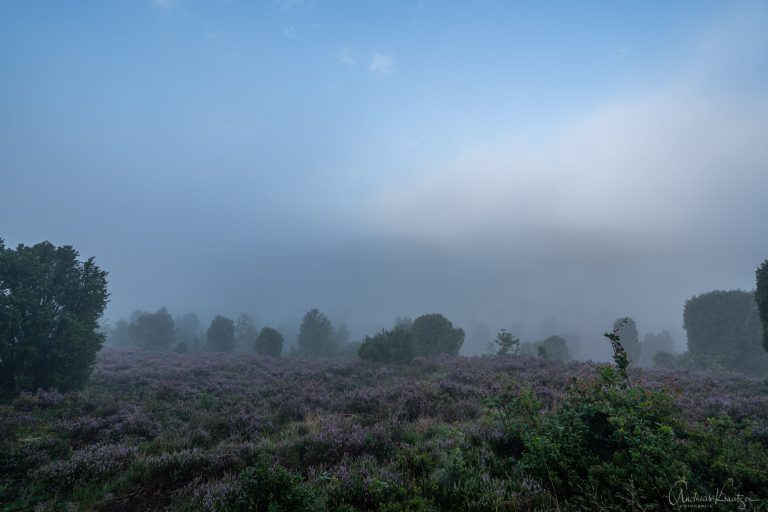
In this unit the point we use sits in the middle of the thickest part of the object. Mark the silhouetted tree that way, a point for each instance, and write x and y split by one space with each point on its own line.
269 342
553 348
761 298
50 304
155 331
221 334
723 330
630 338
434 334
315 337
119 334
394 346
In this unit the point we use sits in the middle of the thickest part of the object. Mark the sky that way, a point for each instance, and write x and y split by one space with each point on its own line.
541 167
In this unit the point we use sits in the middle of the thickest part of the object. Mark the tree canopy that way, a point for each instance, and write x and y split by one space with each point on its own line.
761 298
153 330
269 342
434 334
221 334
315 337
50 304
723 330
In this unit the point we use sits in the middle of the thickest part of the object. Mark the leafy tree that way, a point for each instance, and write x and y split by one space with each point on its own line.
653 343
434 334
394 346
269 342
155 331
761 298
553 348
50 304
508 344
245 330
316 335
221 334
724 331
626 328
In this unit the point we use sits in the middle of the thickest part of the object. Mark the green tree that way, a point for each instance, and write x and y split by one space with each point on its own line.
761 298
508 345
394 346
154 331
626 328
723 330
315 337
221 334
269 342
50 304
434 334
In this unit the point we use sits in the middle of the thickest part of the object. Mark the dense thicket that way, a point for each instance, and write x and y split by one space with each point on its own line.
724 331
50 303
761 298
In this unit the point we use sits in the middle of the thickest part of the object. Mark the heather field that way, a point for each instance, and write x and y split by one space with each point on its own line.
166 431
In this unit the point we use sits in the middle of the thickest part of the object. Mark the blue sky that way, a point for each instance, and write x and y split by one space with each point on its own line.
203 149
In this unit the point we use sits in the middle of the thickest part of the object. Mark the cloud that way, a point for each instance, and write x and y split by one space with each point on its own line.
346 57
679 166
164 4
381 65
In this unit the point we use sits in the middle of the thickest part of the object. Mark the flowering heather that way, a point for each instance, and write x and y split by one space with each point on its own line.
186 431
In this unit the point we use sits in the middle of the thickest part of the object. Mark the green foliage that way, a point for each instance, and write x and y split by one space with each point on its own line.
315 337
724 331
620 358
434 334
269 487
153 331
761 298
269 342
50 304
394 346
507 344
221 334
626 328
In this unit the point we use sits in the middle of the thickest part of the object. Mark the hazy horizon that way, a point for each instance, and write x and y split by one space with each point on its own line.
545 169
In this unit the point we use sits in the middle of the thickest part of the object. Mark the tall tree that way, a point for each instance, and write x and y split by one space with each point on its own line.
723 330
315 337
761 298
50 304
221 334
155 331
434 334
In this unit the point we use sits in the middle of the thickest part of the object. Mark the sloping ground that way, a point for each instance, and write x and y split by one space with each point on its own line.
157 431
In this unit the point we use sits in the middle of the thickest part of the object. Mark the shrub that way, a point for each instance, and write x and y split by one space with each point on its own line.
394 346
221 334
269 342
